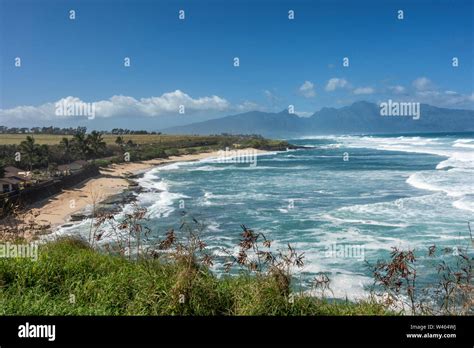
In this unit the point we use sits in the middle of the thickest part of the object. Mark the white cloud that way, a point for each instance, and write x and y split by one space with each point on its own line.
272 97
307 89
170 102
397 89
119 105
448 99
422 84
247 106
364 90
427 92
336 83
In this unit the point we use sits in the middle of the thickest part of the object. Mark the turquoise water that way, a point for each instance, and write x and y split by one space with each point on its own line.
364 193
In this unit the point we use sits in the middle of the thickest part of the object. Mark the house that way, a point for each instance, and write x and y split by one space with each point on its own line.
71 168
19 176
9 184
13 171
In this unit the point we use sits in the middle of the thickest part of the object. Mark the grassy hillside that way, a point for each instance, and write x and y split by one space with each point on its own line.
54 139
163 139
70 278
46 151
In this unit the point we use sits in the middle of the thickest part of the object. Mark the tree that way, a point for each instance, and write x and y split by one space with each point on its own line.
67 148
29 151
80 145
97 145
119 141
2 169
42 155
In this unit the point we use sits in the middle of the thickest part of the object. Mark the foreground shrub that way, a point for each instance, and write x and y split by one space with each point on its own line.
71 278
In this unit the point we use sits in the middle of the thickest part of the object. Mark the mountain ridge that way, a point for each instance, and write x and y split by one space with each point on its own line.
359 117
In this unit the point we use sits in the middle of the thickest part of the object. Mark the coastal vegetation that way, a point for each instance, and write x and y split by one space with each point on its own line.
173 275
40 151
74 276
70 278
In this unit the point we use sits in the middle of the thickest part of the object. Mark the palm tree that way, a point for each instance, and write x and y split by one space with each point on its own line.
67 147
42 152
97 145
29 151
79 144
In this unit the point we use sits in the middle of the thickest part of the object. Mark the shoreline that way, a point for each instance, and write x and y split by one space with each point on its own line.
114 180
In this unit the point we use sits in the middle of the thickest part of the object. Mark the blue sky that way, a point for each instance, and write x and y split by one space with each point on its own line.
190 62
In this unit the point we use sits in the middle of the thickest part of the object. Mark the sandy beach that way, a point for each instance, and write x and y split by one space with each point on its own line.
56 210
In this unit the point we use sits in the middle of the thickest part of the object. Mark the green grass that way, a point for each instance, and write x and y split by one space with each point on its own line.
54 139
112 285
164 140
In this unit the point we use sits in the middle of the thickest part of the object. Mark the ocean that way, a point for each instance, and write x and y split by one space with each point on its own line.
345 201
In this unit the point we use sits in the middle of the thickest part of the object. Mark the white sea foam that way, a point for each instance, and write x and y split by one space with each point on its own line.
209 168
454 182
363 222
330 146
345 285
238 196
244 152
212 168
466 143
213 226
356 236
158 199
466 203
454 176
403 217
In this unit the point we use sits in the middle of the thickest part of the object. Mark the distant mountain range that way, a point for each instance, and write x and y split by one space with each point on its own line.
360 117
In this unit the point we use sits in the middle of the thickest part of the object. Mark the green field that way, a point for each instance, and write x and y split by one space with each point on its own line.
41 151
53 139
